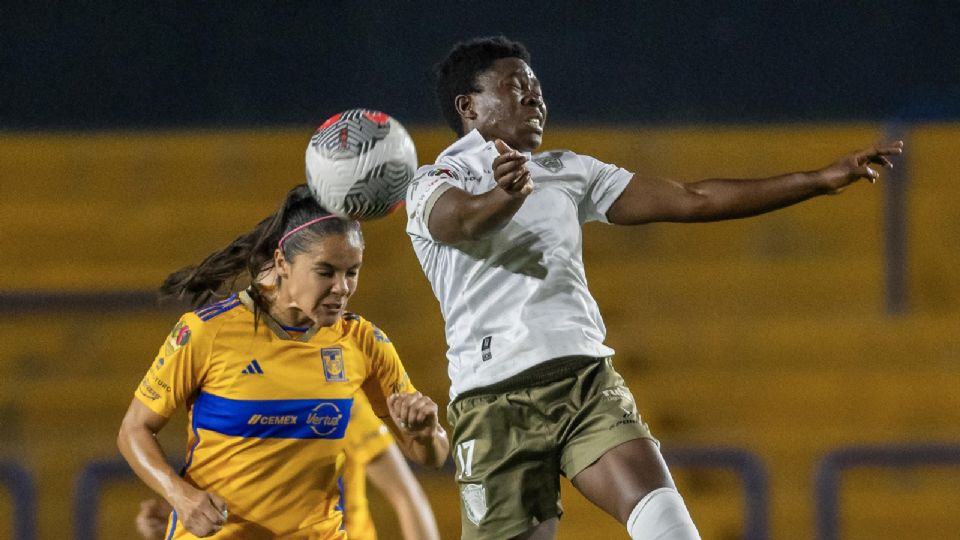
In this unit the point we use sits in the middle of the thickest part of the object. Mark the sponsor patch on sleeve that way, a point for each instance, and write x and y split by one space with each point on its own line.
179 336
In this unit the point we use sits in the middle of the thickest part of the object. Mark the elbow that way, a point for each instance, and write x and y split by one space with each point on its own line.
124 436
470 232
697 207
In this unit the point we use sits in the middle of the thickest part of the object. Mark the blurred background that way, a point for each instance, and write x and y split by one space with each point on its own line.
137 137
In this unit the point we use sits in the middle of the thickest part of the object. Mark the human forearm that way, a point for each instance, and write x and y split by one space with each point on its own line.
391 476
139 446
651 199
719 199
202 513
458 216
416 518
415 424
430 451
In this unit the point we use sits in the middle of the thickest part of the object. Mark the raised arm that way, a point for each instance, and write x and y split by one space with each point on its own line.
458 216
650 199
201 512
394 479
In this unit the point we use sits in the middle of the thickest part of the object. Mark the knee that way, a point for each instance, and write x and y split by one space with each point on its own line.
661 515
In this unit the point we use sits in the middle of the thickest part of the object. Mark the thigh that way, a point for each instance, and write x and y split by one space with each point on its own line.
622 476
608 452
601 414
507 467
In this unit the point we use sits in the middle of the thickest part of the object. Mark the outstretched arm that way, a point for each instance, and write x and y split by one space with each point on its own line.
202 513
394 479
649 199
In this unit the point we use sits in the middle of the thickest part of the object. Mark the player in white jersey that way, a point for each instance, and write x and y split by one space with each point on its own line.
498 233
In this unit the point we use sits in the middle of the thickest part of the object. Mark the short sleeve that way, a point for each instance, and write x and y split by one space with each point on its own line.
178 369
366 437
427 186
386 374
605 183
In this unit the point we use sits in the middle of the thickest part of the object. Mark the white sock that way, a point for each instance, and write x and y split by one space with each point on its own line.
661 515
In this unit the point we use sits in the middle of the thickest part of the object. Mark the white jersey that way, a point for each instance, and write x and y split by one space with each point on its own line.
518 297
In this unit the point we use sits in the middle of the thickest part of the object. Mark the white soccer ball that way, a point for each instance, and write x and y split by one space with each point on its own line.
359 163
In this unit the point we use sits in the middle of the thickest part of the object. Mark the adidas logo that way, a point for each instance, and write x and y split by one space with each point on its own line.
253 368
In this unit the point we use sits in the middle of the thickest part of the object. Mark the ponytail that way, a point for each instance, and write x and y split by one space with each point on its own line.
251 254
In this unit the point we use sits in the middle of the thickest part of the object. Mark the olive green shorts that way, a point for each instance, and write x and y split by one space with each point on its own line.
514 439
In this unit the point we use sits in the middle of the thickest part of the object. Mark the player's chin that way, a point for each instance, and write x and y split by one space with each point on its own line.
530 141
327 316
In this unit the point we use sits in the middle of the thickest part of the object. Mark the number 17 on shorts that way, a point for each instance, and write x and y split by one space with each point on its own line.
465 459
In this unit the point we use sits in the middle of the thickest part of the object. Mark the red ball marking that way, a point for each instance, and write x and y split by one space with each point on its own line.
329 121
377 116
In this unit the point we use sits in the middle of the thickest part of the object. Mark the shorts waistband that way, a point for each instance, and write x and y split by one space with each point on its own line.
540 374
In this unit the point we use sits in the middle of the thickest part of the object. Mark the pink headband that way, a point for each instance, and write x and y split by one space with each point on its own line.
301 227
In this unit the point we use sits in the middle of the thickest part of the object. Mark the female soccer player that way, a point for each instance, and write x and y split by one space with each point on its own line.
371 453
268 376
498 233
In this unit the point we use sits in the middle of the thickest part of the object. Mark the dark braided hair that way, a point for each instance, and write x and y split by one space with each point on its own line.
251 254
457 72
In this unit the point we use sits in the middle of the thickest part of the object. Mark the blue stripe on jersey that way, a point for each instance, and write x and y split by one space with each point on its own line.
341 505
295 328
173 528
215 305
207 315
273 418
196 442
216 308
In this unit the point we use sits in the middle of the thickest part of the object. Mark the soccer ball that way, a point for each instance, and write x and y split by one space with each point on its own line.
359 163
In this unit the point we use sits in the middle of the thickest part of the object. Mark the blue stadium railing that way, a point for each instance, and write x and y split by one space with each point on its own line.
744 464
832 466
24 496
747 466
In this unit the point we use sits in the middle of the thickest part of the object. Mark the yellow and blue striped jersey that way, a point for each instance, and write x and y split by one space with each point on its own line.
366 439
268 412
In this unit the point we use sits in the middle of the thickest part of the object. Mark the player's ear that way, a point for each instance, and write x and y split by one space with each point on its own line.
280 263
465 108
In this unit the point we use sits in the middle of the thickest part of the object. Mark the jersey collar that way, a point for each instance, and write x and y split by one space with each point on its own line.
272 323
473 142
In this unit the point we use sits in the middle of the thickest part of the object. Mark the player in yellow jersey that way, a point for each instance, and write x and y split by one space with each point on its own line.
269 376
371 453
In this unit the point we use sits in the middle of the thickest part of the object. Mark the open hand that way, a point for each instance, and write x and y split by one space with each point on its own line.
857 165
510 171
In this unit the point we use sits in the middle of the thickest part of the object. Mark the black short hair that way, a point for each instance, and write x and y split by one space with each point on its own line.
457 72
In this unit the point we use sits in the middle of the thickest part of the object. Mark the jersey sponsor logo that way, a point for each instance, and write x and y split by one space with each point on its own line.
441 172
273 419
325 418
474 501
550 161
179 336
333 370
147 391
253 368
